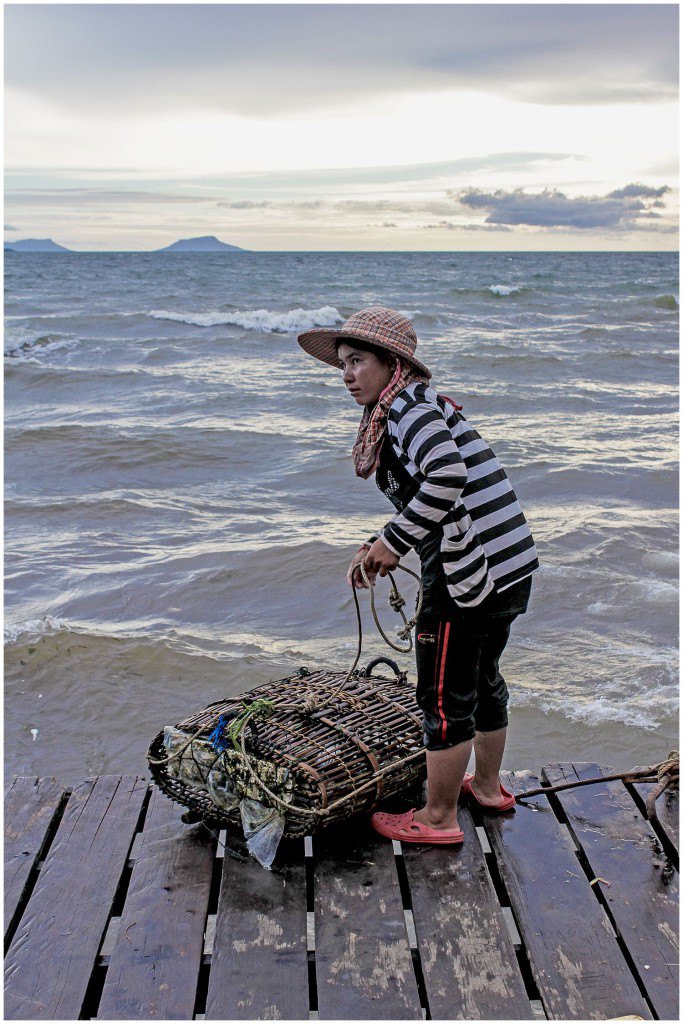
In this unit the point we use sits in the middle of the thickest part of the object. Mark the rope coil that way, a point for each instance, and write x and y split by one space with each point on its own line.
397 602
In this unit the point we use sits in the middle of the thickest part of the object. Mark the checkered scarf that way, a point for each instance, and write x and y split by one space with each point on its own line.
373 423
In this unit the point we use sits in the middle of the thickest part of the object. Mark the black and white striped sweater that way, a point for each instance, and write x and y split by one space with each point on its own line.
462 492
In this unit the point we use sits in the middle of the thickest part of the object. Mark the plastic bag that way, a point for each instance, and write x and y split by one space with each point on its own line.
263 827
220 790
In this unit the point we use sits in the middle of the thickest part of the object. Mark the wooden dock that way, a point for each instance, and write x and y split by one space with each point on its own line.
565 909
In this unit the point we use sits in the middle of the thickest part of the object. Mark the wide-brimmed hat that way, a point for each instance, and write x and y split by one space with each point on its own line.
376 325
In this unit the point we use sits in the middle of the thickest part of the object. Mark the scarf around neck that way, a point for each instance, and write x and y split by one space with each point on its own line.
373 422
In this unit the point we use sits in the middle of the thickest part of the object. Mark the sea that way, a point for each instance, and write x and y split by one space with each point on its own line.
181 504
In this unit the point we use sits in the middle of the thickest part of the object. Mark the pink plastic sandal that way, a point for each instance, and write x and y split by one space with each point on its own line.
403 828
507 803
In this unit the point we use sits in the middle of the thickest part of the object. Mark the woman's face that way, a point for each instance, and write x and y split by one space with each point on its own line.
364 374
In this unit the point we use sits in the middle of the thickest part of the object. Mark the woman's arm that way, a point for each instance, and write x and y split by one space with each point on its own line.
423 434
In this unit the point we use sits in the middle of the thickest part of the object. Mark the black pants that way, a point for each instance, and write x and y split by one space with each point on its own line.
459 685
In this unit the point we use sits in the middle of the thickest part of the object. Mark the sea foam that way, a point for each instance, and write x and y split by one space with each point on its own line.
265 320
504 289
23 343
32 629
638 712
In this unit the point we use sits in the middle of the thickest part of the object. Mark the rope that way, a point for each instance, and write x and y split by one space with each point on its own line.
669 768
665 774
259 708
397 602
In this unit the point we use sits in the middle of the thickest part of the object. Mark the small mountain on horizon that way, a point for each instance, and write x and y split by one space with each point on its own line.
35 245
207 243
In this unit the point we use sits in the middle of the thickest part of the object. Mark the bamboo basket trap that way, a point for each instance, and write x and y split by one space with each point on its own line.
319 747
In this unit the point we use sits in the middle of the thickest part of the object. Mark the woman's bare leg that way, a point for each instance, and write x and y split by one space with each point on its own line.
445 772
488 753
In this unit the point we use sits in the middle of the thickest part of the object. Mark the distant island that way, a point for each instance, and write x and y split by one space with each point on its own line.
207 243
35 245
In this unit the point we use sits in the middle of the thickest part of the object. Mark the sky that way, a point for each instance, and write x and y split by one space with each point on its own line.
437 127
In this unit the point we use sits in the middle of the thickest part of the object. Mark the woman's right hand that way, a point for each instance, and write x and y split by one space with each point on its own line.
355 579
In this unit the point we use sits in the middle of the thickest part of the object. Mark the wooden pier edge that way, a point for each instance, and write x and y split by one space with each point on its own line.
564 909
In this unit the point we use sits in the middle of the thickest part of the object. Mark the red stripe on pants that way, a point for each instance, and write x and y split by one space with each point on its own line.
442 673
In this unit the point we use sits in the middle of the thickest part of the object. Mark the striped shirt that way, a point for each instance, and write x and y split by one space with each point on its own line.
462 492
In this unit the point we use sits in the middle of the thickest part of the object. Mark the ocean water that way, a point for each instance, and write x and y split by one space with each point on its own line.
181 505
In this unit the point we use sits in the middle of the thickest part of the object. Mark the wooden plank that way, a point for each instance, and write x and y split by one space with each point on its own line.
667 812
30 809
469 964
363 961
573 953
155 962
642 895
259 968
51 957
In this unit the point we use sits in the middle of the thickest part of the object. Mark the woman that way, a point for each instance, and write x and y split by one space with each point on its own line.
455 506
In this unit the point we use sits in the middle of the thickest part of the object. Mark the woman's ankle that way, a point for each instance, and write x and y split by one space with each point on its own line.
488 785
439 817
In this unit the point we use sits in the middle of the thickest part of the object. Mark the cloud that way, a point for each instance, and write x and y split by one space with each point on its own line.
636 189
95 196
450 225
553 209
327 207
301 179
235 57
10 227
243 204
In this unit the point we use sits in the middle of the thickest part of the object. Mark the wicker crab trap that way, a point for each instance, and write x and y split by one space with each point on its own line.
309 750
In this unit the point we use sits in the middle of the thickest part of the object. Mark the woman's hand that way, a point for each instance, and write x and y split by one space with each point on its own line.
380 559
355 579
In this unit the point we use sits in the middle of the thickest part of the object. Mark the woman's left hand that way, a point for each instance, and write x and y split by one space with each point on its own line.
380 558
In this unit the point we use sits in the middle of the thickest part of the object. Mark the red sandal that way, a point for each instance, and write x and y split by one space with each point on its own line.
403 828
507 803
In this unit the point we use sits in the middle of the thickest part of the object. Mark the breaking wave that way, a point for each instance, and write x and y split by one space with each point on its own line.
258 319
499 290
32 629
23 343
505 289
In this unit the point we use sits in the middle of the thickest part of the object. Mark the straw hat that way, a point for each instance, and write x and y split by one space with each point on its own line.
376 325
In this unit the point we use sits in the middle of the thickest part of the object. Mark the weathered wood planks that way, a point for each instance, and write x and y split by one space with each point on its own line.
641 887
359 965
31 806
363 961
154 966
468 961
259 968
573 952
52 955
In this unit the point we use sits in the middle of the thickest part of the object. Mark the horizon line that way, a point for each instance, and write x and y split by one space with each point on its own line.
357 252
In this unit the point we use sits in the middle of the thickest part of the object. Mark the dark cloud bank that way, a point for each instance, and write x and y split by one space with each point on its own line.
623 208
